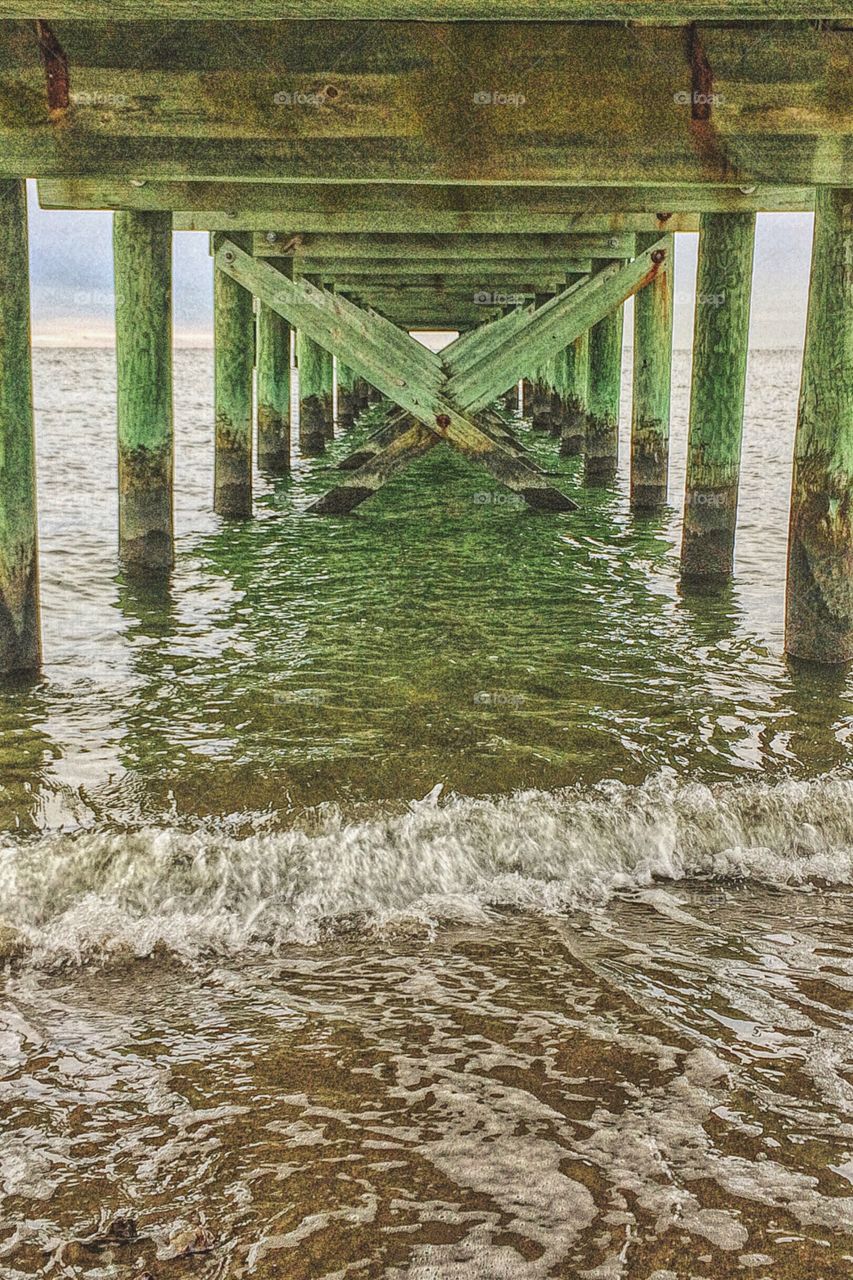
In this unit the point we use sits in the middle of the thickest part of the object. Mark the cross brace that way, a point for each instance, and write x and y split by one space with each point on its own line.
441 395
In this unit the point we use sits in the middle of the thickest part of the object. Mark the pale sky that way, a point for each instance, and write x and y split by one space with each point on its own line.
72 280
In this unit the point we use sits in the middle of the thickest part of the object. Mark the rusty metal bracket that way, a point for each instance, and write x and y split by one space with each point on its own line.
56 68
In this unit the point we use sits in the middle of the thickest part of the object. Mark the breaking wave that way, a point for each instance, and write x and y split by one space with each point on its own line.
99 894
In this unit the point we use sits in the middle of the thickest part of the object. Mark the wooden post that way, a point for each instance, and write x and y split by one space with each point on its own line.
652 384
819 608
328 393
601 456
720 348
273 391
142 249
234 342
310 360
20 629
575 373
348 406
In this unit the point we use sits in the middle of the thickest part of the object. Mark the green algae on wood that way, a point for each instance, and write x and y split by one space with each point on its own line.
311 371
720 350
142 248
233 329
819 607
652 387
574 374
273 412
601 451
20 631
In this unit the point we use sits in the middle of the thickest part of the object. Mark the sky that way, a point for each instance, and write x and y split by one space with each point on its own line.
72 280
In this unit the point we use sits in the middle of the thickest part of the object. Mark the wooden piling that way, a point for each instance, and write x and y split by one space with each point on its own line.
142 250
20 630
310 360
720 348
328 394
575 379
819 605
273 392
234 328
601 455
652 388
348 405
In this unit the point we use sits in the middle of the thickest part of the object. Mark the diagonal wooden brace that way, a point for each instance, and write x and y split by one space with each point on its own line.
342 327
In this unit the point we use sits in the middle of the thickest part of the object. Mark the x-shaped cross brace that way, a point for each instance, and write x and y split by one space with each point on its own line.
442 394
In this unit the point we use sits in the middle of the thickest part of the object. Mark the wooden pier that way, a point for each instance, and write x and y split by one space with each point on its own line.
369 169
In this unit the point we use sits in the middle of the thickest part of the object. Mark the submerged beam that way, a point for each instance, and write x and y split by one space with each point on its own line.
720 350
234 360
20 630
819 608
142 247
652 388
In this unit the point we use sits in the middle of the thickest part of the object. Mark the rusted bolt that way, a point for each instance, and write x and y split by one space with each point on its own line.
658 256
331 92
663 217
442 421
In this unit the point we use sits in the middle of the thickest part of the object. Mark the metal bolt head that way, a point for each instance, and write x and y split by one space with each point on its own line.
271 237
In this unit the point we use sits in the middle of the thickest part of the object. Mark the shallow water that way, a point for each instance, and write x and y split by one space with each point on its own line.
436 892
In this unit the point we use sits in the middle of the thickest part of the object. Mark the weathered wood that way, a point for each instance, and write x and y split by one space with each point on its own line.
720 349
142 244
144 91
574 373
409 249
348 407
360 341
496 275
273 442
819 608
550 328
395 207
233 363
601 451
311 369
329 394
658 12
653 310
20 630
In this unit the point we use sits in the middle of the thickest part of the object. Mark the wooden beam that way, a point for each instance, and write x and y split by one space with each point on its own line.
819 609
396 207
553 326
273 410
492 272
143 286
574 385
579 103
20 627
658 12
233 365
409 249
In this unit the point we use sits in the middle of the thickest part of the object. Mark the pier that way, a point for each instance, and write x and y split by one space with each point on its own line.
406 167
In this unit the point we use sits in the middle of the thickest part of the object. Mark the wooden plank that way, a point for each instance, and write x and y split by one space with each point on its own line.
579 104
650 11
450 248
552 327
390 207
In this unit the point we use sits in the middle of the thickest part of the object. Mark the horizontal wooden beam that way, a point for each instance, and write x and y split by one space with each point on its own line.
478 271
652 11
568 104
376 207
460 248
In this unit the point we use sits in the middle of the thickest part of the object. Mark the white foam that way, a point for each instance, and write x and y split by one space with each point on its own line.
204 890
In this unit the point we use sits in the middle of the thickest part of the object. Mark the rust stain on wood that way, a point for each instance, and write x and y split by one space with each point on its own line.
55 63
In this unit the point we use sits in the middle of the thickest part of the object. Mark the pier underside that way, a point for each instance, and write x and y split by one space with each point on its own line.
415 166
